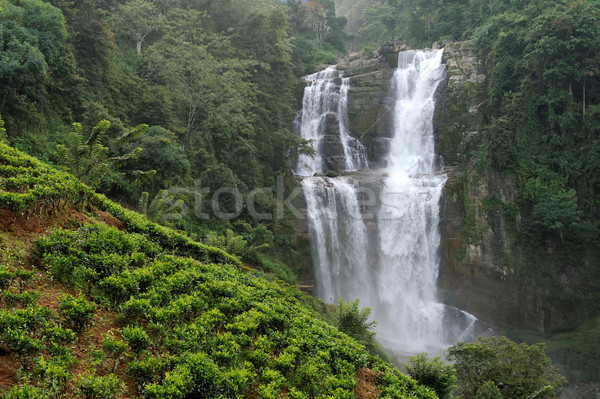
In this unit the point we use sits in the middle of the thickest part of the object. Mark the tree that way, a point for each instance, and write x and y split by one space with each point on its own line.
489 391
161 152
296 15
35 60
555 211
355 322
2 130
136 19
209 81
89 160
379 23
563 46
315 13
433 374
518 371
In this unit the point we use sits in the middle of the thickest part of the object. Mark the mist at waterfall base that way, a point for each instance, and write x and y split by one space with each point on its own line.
383 250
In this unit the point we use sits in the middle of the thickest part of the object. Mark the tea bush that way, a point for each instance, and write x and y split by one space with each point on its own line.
95 387
77 312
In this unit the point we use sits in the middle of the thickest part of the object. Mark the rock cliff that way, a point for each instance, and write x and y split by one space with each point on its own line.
487 268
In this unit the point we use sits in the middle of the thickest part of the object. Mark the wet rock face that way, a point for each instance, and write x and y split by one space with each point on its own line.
331 145
462 64
478 256
369 103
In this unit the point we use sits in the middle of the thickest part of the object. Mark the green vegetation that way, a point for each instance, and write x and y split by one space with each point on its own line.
89 160
572 345
497 367
76 312
353 321
206 327
216 82
29 186
192 319
433 374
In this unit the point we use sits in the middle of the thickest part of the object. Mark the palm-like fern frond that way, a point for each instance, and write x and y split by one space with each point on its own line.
98 132
132 134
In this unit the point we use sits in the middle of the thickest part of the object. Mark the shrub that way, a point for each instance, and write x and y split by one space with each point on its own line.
24 277
59 335
6 277
114 348
433 374
137 339
25 299
26 392
77 312
354 321
518 370
94 387
149 370
53 374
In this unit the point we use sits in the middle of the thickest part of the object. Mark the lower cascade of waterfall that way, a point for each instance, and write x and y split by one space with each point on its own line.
375 233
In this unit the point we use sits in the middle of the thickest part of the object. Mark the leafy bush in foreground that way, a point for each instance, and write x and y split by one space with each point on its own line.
77 312
433 374
518 371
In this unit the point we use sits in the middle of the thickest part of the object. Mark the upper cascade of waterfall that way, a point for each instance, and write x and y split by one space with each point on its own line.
415 83
326 99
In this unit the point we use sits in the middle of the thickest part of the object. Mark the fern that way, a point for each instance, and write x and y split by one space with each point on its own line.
132 134
89 160
98 132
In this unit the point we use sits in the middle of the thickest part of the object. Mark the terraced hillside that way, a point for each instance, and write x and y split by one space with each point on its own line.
98 302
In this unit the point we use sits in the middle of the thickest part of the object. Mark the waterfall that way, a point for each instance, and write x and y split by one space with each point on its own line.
338 233
385 252
326 97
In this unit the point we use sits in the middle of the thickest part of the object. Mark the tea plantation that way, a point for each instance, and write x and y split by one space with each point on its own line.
185 320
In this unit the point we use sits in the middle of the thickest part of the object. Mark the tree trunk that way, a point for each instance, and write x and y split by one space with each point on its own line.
192 112
584 94
138 47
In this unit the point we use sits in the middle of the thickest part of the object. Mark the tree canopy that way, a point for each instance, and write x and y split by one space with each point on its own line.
497 367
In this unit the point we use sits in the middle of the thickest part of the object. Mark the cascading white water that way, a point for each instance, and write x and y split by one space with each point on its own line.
408 219
389 259
338 233
327 93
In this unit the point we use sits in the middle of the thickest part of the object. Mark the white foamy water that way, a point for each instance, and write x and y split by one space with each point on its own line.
389 259
327 93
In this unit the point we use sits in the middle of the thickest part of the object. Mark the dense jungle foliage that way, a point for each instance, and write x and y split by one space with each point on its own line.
213 80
